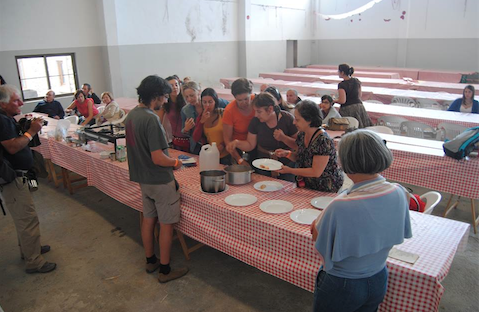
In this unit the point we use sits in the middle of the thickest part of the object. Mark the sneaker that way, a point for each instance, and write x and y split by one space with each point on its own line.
174 274
43 250
47 267
152 267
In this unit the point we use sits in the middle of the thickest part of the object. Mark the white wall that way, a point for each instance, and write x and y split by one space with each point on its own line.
53 26
49 24
423 19
175 21
118 42
440 34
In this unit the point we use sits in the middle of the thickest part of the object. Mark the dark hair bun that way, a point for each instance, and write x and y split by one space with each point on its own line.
351 71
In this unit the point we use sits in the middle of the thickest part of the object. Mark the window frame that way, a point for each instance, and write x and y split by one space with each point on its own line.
44 56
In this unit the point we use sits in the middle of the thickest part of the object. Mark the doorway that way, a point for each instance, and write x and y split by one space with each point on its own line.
292 53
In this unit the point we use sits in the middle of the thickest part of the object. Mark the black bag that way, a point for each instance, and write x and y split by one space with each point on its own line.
462 145
7 173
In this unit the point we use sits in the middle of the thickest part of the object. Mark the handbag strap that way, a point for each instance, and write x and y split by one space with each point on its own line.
314 134
409 192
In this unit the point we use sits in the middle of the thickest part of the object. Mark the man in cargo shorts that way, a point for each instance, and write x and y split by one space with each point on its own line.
151 166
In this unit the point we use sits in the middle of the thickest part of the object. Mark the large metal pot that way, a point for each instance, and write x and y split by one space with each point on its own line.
212 181
238 174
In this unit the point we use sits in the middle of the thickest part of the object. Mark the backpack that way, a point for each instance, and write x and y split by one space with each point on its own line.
462 145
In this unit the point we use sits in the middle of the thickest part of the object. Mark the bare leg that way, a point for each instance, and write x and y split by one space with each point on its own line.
148 226
165 242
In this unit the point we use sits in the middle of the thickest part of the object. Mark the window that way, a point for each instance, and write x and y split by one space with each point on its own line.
39 73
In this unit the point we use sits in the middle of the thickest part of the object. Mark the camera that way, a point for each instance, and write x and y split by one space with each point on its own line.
24 124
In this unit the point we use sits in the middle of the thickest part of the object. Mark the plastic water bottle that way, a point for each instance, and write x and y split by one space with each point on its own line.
209 157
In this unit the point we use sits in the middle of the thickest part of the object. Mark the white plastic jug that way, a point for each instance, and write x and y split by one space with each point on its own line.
209 157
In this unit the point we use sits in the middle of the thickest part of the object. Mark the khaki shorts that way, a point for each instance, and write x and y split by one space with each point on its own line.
162 201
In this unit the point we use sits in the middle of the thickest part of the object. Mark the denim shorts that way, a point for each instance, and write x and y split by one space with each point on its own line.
345 294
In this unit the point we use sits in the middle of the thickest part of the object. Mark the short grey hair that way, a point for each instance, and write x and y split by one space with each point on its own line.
364 151
6 92
294 91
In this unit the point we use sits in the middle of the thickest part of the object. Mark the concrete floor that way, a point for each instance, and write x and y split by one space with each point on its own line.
97 246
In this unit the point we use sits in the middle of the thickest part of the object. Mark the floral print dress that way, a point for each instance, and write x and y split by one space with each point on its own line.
331 179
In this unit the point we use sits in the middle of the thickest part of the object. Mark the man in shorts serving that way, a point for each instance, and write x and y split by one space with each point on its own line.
151 166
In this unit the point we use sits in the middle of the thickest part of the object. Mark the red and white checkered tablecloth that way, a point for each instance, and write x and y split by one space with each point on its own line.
441 173
274 243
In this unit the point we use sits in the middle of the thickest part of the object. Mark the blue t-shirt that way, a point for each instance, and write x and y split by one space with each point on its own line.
360 226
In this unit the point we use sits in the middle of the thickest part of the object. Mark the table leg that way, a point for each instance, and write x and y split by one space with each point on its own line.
448 208
474 218
187 251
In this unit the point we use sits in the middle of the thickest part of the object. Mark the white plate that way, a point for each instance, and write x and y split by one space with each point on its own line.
226 189
240 200
321 202
276 206
267 164
268 186
305 216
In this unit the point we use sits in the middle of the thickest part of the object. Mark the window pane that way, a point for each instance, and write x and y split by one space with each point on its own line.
68 85
60 70
34 87
33 77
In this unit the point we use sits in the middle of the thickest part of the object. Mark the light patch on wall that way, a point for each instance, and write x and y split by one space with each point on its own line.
359 10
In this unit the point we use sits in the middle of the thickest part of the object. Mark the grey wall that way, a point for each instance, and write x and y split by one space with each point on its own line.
441 54
90 68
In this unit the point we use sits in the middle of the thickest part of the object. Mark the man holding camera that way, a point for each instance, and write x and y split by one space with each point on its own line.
14 148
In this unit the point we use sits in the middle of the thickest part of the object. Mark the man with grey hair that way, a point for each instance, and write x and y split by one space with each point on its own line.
49 106
292 96
14 148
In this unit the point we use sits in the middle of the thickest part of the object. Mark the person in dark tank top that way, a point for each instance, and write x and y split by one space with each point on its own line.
349 96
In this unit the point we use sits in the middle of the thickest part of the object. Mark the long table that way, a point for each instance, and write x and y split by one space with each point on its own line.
414 73
274 243
374 110
384 95
420 85
324 72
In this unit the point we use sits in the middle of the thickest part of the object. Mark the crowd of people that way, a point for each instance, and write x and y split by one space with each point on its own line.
175 113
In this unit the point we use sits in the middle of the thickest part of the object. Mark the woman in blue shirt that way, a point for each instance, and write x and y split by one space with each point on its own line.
467 103
357 230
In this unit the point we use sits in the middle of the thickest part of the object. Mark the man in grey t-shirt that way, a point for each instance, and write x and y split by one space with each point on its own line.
151 166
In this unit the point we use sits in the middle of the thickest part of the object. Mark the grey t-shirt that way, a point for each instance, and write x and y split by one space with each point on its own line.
145 134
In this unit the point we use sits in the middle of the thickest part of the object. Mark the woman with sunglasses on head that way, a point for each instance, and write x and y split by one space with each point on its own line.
209 124
316 156
269 130
349 97
191 91
467 103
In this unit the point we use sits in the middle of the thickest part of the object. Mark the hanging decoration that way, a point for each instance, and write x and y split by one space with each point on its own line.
359 10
